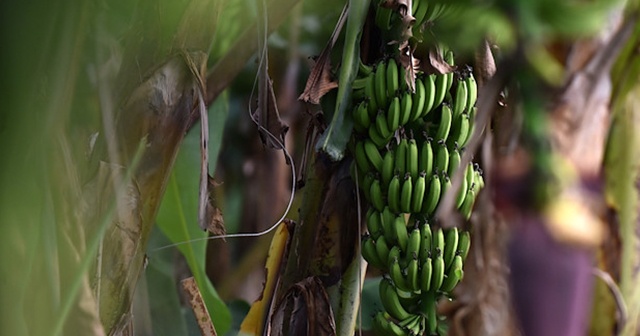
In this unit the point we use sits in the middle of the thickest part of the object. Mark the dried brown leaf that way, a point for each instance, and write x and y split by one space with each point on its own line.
319 81
267 115
214 219
435 64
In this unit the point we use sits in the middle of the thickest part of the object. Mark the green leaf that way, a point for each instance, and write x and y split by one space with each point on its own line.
334 140
177 217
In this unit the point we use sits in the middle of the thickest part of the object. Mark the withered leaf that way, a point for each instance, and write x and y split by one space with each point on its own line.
319 81
409 63
267 115
435 64
213 217
310 311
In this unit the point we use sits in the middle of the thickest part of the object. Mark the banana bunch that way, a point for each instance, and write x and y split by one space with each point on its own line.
429 264
407 144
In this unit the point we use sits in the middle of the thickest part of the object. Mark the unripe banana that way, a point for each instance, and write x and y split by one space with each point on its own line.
438 243
472 95
405 108
462 193
426 241
472 126
430 95
401 235
448 57
413 270
464 244
387 219
369 91
442 157
412 158
376 138
375 192
445 181
387 167
392 78
374 225
362 161
420 12
460 131
390 300
394 253
382 249
450 247
478 179
380 325
409 324
454 161
413 247
440 83
419 189
366 185
467 205
445 123
405 194
425 161
418 100
370 254
361 116
432 198
381 125
393 196
426 273
401 157
364 70
398 277
460 100
393 115
438 273
454 275
373 154
381 84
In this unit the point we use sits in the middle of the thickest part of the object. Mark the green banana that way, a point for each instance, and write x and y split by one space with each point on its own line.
369 92
461 97
437 276
382 326
419 189
373 154
432 316
381 125
472 95
420 12
418 105
401 156
398 277
426 242
425 161
437 247
432 198
381 84
374 225
401 235
445 123
440 83
445 181
413 270
448 57
464 244
426 273
412 158
393 195
472 125
394 253
460 131
462 193
383 17
430 95
376 138
382 249
364 70
467 204
361 116
362 162
370 254
388 217
413 247
406 105
454 275
442 157
393 115
454 161
387 167
478 179
366 184
375 192
392 78
405 194
450 246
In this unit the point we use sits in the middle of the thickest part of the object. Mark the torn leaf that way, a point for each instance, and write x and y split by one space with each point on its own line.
435 64
271 128
213 217
319 81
